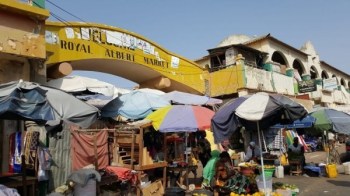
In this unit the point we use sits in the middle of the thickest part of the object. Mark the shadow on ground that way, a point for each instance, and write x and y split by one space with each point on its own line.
340 183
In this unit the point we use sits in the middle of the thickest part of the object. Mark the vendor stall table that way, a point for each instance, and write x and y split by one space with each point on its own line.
106 180
186 169
295 167
17 180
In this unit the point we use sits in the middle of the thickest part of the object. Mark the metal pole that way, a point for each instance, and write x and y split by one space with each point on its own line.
261 158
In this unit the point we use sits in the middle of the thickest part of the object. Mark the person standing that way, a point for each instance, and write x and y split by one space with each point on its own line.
253 152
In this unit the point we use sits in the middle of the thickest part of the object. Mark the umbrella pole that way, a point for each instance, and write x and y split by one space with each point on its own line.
261 158
187 172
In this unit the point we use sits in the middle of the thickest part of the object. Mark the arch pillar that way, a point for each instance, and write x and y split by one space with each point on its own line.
157 83
59 70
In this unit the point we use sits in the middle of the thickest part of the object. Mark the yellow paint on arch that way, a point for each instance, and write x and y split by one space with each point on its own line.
84 42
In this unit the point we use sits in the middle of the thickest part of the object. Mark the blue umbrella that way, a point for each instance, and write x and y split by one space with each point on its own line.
190 99
134 105
306 122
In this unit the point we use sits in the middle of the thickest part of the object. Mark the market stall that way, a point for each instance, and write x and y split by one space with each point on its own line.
181 119
30 106
255 112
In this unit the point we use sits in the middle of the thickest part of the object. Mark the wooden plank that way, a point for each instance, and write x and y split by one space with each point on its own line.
151 166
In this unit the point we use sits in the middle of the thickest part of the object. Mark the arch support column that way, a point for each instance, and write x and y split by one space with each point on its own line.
157 83
59 70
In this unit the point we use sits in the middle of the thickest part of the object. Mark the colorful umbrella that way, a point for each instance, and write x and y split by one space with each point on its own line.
177 118
331 120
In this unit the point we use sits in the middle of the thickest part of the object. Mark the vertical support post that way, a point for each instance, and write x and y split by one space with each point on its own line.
261 158
133 148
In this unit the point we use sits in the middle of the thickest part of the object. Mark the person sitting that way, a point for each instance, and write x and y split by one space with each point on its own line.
204 148
227 161
224 182
296 151
253 152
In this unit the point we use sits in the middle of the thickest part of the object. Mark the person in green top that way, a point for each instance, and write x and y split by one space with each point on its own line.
209 169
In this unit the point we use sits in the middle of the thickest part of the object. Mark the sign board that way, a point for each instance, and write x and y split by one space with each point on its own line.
330 84
307 86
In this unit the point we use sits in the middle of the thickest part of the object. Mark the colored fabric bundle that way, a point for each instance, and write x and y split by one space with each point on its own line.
124 174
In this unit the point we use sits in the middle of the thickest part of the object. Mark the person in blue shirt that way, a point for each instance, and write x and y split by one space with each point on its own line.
253 152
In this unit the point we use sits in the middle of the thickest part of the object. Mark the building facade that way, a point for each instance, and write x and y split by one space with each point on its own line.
22 55
270 65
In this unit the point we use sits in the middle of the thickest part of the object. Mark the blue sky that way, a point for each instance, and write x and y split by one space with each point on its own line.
190 27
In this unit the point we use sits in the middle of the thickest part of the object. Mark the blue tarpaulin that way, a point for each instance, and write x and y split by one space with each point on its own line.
308 121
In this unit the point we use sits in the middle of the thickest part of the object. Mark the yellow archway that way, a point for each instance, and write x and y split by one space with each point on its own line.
97 47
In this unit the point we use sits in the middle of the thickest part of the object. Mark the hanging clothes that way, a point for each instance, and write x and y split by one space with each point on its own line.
31 142
60 149
89 147
15 145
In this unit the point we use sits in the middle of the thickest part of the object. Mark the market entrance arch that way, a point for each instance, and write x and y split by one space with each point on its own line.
102 48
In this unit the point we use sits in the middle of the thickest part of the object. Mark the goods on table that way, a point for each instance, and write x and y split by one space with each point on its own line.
247 168
247 164
256 194
283 186
269 167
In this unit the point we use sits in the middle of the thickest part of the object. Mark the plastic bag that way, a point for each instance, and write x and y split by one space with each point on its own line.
45 162
42 175
45 158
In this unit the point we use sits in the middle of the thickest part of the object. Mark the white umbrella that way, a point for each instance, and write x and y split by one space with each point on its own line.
73 84
269 108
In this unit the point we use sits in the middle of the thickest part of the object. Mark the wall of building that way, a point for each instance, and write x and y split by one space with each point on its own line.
22 35
12 68
22 56
290 55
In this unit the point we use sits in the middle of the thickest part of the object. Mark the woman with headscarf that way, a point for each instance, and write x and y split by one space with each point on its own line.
209 169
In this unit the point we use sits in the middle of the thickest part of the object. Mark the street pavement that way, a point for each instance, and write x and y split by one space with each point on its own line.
313 186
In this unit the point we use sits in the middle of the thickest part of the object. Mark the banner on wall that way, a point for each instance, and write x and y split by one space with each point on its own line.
330 84
307 86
